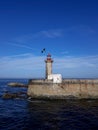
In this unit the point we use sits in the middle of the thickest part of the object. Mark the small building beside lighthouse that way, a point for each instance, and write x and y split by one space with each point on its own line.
56 78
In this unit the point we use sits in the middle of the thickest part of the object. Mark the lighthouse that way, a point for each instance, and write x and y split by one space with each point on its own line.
49 62
55 78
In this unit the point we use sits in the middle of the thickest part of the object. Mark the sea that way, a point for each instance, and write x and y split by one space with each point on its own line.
27 114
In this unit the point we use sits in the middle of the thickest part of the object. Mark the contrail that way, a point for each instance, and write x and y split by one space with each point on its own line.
20 45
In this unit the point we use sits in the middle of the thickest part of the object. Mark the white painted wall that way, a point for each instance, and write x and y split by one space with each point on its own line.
57 78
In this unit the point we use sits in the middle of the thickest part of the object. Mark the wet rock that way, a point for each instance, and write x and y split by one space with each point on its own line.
15 84
9 95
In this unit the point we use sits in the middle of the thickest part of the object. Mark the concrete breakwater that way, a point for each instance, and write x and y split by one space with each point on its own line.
69 88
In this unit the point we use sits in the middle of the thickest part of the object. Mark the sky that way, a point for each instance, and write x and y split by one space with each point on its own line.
67 29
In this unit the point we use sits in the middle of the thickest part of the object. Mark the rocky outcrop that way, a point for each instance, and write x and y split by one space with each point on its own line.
15 84
20 95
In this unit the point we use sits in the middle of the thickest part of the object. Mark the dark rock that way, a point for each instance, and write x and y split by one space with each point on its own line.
8 95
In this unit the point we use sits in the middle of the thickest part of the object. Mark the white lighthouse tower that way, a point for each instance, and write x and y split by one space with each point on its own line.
55 78
49 62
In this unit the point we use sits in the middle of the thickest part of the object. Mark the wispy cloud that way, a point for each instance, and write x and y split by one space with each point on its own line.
80 29
22 41
76 62
51 33
20 45
64 52
28 65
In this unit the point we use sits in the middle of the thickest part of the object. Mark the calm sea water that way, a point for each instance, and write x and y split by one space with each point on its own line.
24 114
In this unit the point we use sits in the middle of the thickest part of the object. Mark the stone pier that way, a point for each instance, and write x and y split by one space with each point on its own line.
69 88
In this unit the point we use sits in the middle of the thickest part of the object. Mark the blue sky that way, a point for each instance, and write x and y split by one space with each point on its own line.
68 29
